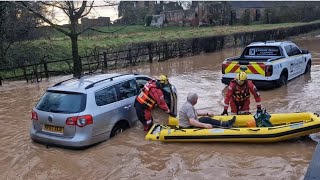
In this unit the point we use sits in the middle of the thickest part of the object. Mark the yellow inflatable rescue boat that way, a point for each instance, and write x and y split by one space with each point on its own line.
284 127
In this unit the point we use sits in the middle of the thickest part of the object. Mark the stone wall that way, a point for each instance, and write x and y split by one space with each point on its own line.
175 18
157 20
163 50
100 21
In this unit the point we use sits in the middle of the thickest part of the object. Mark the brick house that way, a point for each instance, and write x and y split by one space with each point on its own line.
99 22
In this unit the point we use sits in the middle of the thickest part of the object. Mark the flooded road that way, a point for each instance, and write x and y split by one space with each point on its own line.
129 156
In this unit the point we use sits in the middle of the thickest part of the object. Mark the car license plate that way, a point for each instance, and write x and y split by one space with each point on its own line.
53 128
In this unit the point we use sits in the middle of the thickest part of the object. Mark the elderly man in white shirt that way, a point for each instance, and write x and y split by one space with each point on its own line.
188 116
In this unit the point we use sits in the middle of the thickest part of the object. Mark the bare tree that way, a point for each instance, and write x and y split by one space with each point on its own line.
15 25
74 10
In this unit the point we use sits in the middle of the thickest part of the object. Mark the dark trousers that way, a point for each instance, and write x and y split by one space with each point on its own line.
213 122
143 115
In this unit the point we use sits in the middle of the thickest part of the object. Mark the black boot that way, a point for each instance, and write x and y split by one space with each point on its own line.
231 121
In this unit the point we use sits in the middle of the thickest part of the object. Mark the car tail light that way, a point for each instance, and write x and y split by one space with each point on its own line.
34 116
80 121
268 70
71 121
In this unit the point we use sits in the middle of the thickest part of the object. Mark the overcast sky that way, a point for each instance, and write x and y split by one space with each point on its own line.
108 11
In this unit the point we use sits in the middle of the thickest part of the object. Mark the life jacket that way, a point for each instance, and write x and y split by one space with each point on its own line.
144 97
241 93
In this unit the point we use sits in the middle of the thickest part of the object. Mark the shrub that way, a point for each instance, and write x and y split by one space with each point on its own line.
147 20
245 18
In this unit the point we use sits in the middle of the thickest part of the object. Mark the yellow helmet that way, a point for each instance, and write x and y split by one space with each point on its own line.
241 77
163 79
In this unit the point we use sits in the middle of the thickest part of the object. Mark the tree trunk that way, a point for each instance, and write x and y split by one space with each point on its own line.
77 65
2 32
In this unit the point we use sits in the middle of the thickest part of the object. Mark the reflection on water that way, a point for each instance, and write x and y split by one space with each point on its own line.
128 155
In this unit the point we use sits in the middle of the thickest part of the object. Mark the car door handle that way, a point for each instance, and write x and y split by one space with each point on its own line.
127 107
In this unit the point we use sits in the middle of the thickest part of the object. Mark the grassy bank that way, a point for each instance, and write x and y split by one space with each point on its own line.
59 47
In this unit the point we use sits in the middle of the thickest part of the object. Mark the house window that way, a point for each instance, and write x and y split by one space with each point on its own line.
258 14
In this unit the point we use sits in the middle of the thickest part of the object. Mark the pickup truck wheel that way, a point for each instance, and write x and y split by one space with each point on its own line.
282 80
308 68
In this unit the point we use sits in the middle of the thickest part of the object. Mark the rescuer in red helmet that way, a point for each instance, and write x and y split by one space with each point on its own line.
150 95
238 95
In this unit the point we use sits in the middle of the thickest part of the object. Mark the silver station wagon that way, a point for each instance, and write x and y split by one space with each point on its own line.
85 111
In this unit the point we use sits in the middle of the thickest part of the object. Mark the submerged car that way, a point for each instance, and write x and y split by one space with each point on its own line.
79 112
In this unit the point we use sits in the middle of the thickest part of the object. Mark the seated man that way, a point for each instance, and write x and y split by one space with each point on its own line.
188 116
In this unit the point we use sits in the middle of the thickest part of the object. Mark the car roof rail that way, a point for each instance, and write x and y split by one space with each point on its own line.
85 74
270 41
65 81
110 78
286 41
256 42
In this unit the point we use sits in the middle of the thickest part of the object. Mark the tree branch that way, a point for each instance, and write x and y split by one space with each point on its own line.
78 14
57 5
55 26
90 7
111 32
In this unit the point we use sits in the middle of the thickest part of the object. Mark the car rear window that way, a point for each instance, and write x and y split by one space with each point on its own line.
62 102
262 51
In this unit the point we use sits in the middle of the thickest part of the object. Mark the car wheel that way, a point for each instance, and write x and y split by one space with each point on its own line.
118 128
282 80
308 68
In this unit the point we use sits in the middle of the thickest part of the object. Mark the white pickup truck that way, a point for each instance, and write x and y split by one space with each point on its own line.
269 64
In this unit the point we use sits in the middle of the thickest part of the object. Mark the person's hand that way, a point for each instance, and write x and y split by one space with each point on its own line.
225 112
168 111
208 126
259 110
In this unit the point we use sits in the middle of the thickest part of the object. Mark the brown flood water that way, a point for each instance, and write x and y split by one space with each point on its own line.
129 156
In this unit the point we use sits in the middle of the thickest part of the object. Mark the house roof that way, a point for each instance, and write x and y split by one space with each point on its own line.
261 4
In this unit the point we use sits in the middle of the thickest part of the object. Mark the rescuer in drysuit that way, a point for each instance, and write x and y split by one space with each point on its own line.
238 95
150 95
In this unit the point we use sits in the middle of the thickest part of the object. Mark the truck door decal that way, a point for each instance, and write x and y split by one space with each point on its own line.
296 66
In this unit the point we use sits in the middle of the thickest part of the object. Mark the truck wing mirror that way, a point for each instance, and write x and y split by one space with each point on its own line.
304 51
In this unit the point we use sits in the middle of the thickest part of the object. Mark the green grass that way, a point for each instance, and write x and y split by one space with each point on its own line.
138 33
59 46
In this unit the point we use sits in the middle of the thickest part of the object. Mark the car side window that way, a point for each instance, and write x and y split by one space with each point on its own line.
295 50
292 50
141 81
127 89
106 96
288 50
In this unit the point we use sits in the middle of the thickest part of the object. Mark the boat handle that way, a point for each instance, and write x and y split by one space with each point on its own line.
180 130
254 129
316 114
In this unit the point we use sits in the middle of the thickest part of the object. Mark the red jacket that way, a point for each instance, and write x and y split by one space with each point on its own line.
150 90
241 93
